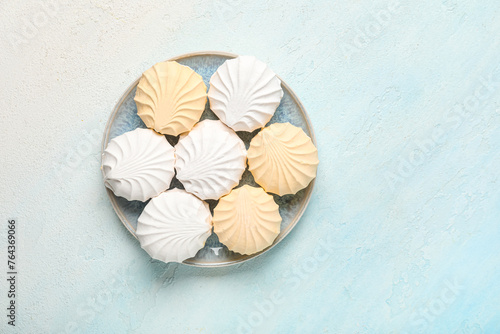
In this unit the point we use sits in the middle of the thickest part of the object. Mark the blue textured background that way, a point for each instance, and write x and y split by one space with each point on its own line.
402 233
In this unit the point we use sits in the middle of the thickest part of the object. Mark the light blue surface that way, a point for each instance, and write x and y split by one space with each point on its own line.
402 234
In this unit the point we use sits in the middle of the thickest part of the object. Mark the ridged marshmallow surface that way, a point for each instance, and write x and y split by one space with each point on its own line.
247 220
244 93
138 165
170 98
282 159
210 160
174 226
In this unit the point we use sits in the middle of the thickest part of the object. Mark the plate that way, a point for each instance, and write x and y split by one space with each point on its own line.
124 118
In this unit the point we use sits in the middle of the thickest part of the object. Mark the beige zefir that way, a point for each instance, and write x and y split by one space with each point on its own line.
170 98
247 220
282 159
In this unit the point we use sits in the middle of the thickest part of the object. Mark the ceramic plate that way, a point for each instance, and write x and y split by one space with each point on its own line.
124 118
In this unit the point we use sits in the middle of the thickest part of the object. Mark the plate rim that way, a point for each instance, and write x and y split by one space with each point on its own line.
309 188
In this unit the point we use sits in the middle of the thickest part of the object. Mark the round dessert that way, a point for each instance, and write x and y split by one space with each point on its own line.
138 165
282 159
170 98
174 226
247 220
244 93
210 160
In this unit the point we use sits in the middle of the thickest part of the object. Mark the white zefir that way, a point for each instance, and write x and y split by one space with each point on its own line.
174 226
138 164
244 93
210 160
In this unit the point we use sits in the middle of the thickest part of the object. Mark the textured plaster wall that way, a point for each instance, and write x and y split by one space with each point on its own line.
402 233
